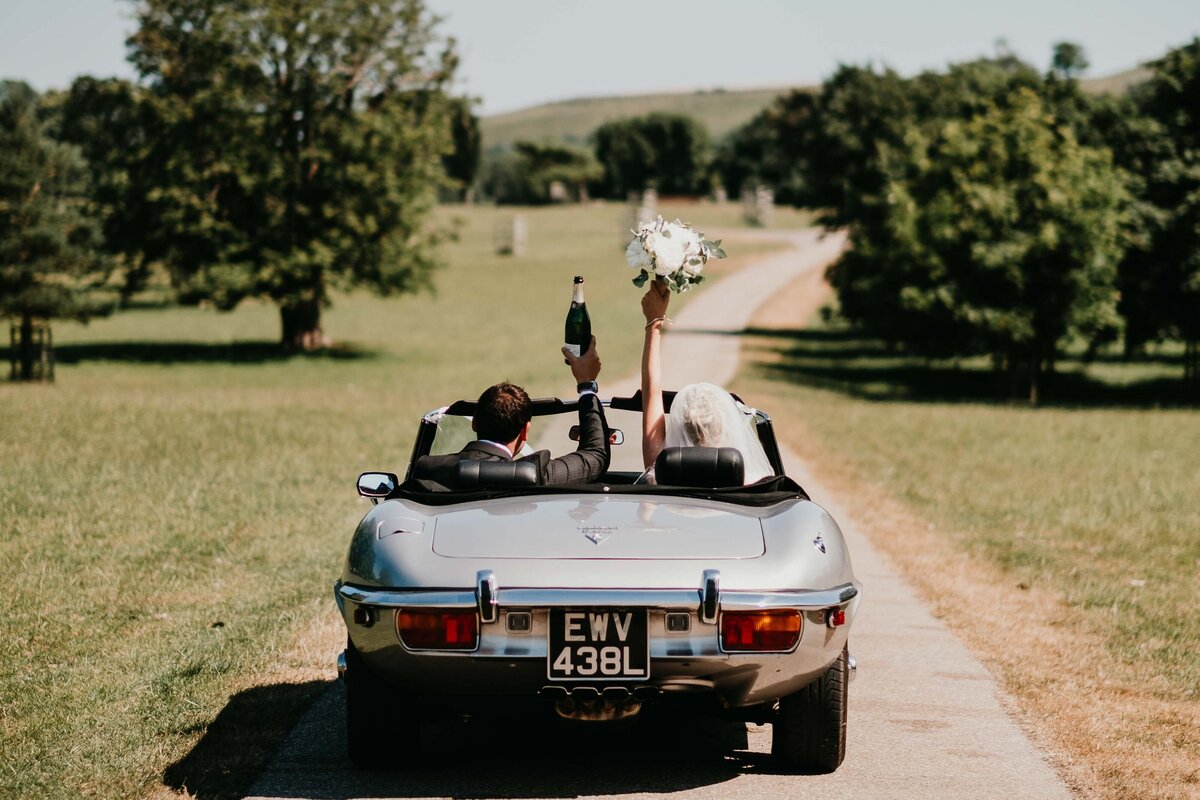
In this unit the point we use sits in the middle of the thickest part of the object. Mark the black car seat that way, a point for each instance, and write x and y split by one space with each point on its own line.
479 474
704 467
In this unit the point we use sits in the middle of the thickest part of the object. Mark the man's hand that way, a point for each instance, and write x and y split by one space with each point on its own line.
585 367
655 301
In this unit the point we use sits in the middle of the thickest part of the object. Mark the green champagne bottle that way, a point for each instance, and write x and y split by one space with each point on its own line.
579 324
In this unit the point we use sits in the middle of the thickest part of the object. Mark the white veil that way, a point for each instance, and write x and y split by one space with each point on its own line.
706 415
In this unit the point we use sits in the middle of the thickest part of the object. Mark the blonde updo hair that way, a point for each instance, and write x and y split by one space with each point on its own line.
697 408
705 415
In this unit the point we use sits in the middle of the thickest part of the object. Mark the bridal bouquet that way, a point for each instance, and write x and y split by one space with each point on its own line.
673 251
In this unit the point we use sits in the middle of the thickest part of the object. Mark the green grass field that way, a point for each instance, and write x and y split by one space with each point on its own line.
1098 501
1089 504
176 506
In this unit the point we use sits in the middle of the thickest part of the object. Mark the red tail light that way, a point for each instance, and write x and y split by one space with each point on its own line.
760 631
438 630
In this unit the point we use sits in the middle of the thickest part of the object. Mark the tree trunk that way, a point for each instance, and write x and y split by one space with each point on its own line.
25 354
301 324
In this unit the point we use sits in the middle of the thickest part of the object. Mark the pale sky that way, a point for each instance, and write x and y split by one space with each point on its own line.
518 53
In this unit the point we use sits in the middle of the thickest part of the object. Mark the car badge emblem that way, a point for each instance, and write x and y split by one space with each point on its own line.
819 543
596 533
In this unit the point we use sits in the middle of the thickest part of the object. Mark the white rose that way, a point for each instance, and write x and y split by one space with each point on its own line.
637 256
668 254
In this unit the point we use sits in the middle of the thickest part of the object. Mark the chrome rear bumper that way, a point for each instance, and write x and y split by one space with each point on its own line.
511 662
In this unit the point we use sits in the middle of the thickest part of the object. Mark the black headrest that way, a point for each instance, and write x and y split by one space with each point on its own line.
475 474
699 466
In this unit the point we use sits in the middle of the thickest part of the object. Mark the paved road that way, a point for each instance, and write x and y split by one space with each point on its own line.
925 716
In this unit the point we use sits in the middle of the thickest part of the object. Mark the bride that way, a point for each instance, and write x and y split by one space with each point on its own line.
701 415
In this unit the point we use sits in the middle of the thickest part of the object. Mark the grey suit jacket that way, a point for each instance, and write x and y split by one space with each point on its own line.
586 464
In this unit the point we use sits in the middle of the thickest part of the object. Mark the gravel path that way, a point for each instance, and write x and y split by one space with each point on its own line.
926 719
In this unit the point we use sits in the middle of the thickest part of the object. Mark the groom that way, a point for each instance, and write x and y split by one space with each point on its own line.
502 420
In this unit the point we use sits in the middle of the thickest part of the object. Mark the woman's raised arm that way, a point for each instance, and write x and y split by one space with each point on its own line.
654 427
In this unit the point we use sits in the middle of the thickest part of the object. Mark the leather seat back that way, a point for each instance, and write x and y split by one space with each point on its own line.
706 467
478 474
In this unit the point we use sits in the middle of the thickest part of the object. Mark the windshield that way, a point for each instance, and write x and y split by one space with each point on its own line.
452 432
551 433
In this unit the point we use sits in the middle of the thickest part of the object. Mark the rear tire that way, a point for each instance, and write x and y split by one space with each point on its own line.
809 732
378 731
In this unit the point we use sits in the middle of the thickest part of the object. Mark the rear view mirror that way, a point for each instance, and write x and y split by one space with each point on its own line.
615 436
376 485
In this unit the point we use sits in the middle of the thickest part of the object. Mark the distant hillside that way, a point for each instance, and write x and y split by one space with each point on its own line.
720 110
573 121
1115 84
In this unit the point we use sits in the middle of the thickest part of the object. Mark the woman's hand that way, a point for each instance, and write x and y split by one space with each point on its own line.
655 301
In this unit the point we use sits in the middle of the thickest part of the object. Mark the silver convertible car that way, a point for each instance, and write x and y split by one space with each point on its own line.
596 601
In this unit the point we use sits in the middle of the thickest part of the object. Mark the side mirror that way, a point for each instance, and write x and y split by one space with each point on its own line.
615 436
376 485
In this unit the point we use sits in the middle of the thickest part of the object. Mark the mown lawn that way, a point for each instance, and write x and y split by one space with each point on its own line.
175 507
1062 542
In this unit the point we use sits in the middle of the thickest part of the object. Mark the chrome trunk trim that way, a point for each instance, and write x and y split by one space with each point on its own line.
485 595
673 599
710 596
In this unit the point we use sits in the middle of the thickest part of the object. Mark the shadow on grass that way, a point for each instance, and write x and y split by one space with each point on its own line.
843 361
192 352
238 743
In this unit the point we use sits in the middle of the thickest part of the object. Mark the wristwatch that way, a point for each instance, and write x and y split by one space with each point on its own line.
588 386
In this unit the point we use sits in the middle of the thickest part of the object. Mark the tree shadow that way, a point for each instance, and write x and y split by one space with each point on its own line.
843 361
250 352
237 744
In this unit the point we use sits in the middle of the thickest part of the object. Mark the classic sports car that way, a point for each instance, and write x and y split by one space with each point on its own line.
596 600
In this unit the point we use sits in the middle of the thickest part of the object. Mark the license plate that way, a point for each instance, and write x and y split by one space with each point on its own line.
598 645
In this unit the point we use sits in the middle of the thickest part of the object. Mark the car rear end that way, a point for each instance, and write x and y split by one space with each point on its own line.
595 606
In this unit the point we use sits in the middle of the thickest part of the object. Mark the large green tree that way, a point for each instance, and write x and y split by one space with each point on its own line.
862 112
1002 235
297 148
772 149
669 152
108 120
462 162
50 261
1163 273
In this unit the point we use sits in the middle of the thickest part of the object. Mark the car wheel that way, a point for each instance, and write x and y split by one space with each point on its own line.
378 731
809 732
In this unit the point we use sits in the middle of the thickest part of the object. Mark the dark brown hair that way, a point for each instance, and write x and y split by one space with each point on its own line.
502 411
